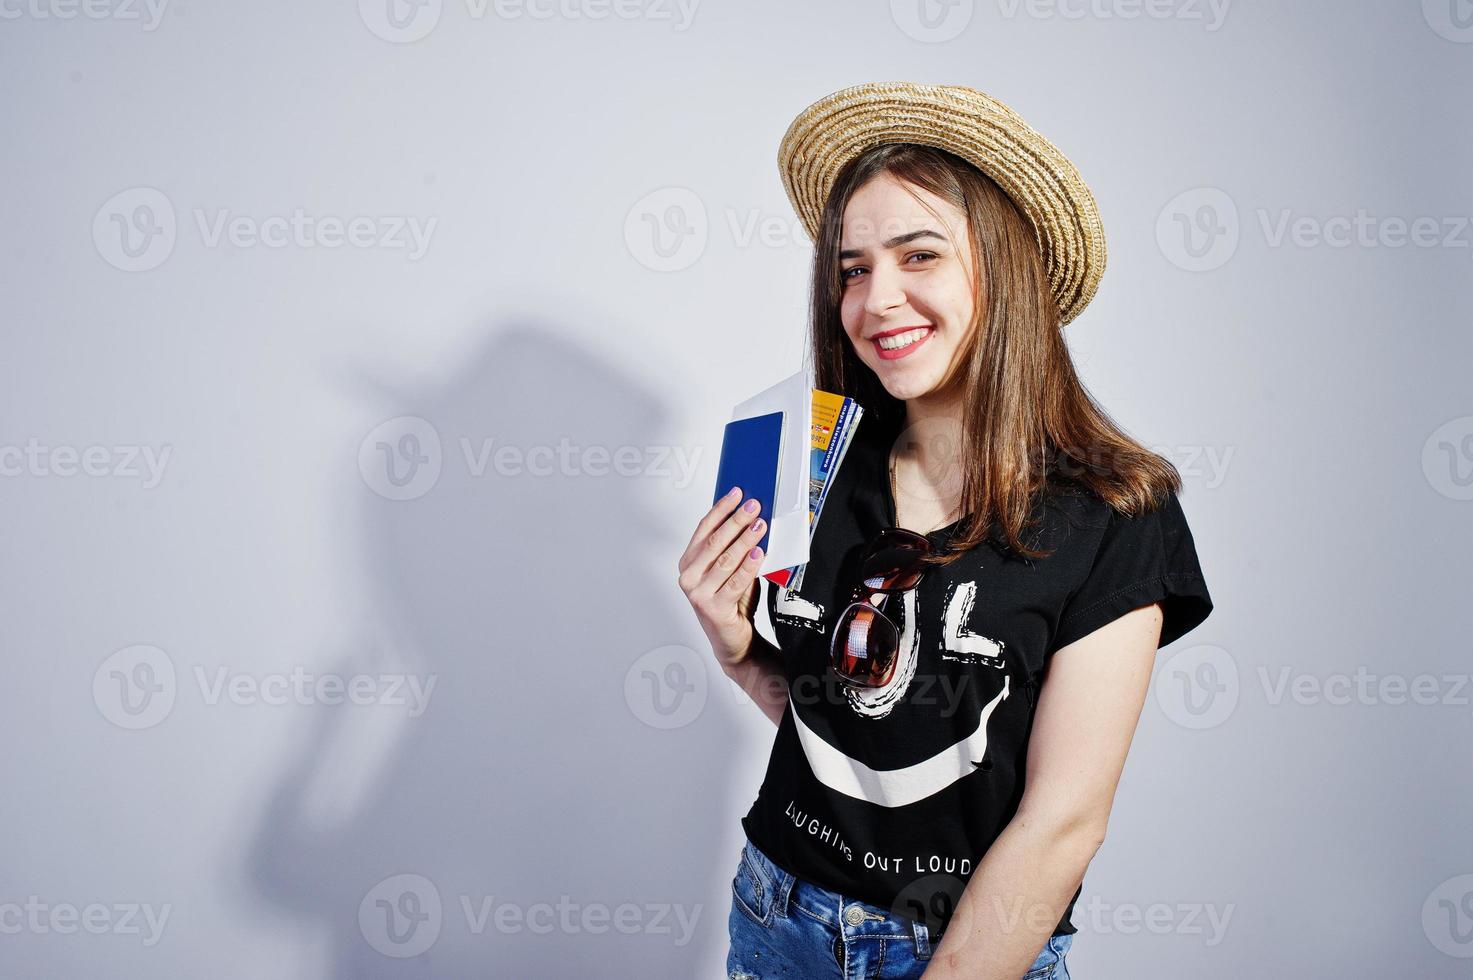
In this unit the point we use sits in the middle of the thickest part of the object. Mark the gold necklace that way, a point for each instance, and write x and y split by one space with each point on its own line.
895 495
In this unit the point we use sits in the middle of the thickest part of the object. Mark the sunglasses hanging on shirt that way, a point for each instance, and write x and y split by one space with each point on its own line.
866 641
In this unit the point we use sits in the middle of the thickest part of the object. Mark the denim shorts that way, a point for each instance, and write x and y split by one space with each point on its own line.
783 926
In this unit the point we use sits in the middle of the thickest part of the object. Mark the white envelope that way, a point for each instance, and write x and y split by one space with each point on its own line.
787 544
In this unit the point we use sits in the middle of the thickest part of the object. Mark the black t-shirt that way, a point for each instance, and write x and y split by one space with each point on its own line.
892 796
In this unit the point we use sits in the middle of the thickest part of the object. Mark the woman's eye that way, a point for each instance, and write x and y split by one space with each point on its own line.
845 274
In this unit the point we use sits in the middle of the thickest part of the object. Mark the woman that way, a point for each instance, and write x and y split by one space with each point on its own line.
957 681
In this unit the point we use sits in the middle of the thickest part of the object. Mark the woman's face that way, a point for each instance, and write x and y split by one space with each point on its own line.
906 279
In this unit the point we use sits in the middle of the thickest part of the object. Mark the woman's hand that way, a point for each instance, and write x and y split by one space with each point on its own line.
718 573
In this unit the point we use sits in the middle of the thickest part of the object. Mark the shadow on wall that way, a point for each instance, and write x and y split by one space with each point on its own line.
529 779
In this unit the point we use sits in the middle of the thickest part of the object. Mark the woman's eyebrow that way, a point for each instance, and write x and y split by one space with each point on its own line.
854 253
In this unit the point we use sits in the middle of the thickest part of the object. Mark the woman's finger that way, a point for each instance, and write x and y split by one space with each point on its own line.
711 549
713 518
745 558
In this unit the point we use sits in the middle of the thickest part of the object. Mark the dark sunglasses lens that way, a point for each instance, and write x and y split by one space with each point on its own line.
865 644
893 561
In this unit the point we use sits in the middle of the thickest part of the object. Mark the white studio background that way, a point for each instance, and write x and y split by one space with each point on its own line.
364 369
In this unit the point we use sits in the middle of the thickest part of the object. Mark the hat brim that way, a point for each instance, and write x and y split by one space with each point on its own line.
974 126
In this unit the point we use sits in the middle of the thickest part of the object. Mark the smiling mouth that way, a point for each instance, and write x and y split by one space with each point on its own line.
896 345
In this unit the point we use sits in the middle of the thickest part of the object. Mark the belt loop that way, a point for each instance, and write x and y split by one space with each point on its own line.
922 937
781 880
782 891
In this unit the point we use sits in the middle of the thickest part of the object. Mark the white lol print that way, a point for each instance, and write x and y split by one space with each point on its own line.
901 787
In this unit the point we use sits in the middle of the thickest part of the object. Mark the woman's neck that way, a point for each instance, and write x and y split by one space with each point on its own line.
931 434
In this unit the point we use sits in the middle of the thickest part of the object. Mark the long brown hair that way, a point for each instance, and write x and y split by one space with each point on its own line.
1028 422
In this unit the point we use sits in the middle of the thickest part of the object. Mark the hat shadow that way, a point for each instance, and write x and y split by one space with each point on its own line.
529 778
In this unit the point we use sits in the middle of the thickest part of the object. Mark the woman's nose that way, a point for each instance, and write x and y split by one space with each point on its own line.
885 293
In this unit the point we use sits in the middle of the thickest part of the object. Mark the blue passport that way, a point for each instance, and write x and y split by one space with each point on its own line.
750 450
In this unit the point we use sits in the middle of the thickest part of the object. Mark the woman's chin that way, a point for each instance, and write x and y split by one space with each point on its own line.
904 386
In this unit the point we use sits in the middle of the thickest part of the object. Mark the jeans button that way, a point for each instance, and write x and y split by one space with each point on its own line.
854 916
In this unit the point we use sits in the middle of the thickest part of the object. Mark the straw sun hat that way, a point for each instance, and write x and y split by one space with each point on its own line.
979 129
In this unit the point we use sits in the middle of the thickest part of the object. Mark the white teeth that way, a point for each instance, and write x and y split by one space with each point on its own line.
899 340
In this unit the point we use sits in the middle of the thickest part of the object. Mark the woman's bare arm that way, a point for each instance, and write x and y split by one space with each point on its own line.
1086 717
760 673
